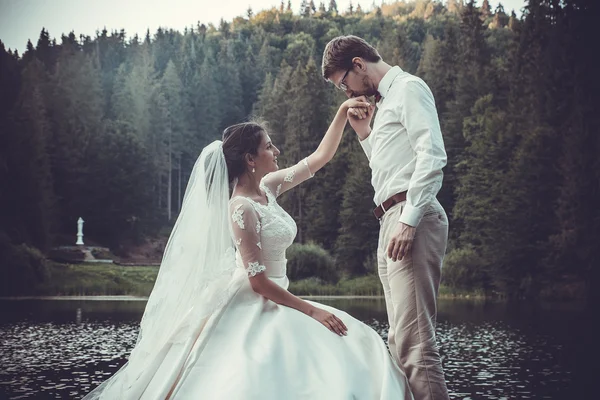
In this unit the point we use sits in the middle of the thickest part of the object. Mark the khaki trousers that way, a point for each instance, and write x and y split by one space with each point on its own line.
411 288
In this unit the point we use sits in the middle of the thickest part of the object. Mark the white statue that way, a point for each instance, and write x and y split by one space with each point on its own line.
79 231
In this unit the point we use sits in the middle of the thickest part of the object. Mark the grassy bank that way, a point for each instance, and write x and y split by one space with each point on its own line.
110 279
98 280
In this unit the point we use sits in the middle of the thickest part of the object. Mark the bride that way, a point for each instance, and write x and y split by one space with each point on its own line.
220 323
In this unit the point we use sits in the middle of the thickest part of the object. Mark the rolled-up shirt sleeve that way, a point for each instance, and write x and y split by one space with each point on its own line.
419 116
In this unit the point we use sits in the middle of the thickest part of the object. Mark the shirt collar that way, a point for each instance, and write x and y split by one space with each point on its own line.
386 81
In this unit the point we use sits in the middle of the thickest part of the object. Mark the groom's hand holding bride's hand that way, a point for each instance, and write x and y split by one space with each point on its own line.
360 113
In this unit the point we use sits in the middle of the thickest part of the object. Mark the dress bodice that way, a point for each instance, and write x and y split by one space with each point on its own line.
263 232
274 231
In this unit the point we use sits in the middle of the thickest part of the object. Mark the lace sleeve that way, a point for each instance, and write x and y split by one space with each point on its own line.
283 180
247 233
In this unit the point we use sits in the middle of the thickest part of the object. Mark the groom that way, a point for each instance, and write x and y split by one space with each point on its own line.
406 154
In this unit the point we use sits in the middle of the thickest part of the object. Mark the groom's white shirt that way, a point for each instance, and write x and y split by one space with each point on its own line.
405 148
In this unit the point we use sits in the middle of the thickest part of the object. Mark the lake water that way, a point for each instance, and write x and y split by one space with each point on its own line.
51 349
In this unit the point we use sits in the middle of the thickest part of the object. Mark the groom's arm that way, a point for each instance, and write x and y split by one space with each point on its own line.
360 120
417 113
419 116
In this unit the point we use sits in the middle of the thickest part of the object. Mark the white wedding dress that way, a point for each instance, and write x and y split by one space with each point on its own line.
252 348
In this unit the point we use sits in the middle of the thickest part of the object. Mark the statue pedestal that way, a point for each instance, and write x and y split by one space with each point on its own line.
80 254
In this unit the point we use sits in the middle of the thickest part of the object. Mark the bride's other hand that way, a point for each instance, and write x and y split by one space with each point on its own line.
330 321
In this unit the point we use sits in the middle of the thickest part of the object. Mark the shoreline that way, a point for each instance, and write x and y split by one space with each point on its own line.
107 282
145 298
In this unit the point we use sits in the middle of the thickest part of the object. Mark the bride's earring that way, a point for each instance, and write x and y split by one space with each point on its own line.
253 170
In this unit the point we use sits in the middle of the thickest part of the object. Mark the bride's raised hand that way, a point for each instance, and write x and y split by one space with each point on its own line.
359 113
330 321
359 108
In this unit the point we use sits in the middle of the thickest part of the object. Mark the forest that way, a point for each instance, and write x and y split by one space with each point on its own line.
107 128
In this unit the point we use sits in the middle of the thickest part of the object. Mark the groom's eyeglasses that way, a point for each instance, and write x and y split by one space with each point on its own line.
343 85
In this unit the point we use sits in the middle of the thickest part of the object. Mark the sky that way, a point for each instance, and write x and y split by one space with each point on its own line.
21 20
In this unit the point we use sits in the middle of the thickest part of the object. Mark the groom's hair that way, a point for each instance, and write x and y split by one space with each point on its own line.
340 51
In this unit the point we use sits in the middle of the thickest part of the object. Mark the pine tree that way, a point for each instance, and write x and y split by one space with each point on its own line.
500 18
250 79
512 21
229 88
176 130
482 203
453 6
470 85
75 114
45 51
10 81
486 10
275 104
121 164
304 125
357 240
429 11
304 9
30 218
332 7
29 52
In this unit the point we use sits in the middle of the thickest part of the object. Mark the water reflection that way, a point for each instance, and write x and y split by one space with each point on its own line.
62 349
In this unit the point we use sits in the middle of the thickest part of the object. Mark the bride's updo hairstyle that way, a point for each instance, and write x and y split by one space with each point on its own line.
239 140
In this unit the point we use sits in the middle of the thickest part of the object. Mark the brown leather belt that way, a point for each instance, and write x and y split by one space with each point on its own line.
386 205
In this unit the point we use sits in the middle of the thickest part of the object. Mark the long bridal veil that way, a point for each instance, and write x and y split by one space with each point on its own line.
196 277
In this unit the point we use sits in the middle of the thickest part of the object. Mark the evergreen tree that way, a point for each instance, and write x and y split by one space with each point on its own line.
75 114
578 232
275 103
229 88
481 203
176 130
453 6
250 79
500 18
332 7
470 85
46 52
304 126
29 217
357 240
486 10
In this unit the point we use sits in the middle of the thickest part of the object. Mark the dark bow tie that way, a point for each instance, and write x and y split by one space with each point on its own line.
377 97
